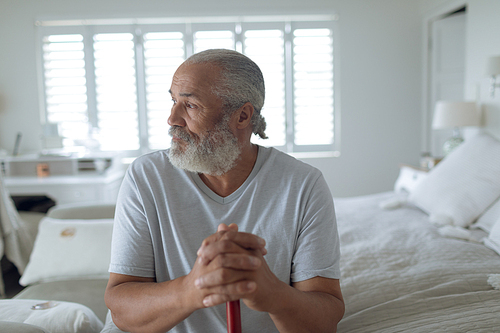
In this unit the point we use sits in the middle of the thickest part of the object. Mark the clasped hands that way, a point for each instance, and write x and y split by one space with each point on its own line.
231 266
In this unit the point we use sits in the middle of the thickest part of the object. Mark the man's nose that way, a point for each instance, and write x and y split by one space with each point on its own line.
176 116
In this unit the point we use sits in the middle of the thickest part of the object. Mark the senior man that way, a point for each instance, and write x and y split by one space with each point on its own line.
217 218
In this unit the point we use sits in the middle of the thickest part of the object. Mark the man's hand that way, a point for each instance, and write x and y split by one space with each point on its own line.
230 266
227 253
236 269
224 256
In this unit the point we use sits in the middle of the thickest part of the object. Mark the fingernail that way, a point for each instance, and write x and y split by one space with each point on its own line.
207 302
251 285
261 241
197 283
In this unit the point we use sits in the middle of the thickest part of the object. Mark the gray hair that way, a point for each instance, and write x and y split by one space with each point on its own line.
241 82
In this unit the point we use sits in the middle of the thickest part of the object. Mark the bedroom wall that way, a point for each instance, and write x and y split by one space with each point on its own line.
380 75
482 41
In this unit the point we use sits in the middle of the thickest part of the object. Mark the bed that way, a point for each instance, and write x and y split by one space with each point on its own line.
422 258
426 257
399 274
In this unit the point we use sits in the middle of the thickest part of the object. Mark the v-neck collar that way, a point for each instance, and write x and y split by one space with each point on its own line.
233 196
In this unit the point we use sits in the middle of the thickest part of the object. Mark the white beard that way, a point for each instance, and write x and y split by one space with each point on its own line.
215 153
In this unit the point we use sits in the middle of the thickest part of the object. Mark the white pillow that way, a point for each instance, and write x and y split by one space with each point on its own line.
70 249
487 220
493 239
464 184
59 317
408 178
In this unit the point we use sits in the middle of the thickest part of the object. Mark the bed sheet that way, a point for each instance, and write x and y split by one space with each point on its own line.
400 275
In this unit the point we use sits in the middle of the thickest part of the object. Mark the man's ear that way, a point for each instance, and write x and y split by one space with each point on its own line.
245 114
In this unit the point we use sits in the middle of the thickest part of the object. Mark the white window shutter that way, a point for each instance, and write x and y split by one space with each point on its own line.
116 91
313 86
266 48
65 85
129 104
163 53
221 39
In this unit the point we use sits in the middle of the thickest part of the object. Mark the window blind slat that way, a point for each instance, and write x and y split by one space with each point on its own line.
266 48
114 94
313 87
163 53
116 91
65 85
204 40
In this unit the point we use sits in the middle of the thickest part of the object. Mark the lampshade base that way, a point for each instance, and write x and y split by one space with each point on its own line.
451 144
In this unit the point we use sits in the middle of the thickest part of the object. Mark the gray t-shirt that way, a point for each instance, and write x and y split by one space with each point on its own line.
164 213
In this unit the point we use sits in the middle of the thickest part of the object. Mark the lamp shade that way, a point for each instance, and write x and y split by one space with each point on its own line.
493 66
455 114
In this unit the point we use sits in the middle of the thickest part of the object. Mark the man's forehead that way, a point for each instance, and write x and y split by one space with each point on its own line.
183 94
197 94
192 80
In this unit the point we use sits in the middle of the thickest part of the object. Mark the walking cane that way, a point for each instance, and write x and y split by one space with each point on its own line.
233 317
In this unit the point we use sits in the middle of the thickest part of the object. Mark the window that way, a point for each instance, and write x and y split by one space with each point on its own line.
109 80
163 53
116 91
65 84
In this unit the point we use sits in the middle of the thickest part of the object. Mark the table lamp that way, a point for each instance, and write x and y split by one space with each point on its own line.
455 115
493 71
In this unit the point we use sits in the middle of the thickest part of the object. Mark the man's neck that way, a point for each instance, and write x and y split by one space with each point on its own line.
229 182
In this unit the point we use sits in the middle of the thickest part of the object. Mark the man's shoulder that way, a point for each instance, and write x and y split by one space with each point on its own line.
288 167
152 156
292 176
152 160
284 161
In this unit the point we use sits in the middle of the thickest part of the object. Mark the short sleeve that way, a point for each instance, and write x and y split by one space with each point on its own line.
317 250
131 247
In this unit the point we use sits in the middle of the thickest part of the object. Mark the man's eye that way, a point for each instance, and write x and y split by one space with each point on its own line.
190 106
174 101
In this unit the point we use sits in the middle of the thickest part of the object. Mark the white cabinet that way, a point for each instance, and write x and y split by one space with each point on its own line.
93 177
69 189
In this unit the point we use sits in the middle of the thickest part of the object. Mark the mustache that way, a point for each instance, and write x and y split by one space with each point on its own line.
180 133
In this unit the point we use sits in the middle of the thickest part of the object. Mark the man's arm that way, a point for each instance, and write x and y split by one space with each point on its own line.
313 305
140 304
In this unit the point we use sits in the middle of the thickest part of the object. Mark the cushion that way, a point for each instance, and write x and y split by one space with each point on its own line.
55 317
69 249
82 210
493 239
463 185
408 178
88 292
487 220
10 326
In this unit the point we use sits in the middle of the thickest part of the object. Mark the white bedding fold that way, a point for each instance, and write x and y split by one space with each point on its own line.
400 275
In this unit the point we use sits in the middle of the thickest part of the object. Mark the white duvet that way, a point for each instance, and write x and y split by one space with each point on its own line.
400 275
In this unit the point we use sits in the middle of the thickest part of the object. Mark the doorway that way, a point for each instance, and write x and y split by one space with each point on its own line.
446 70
